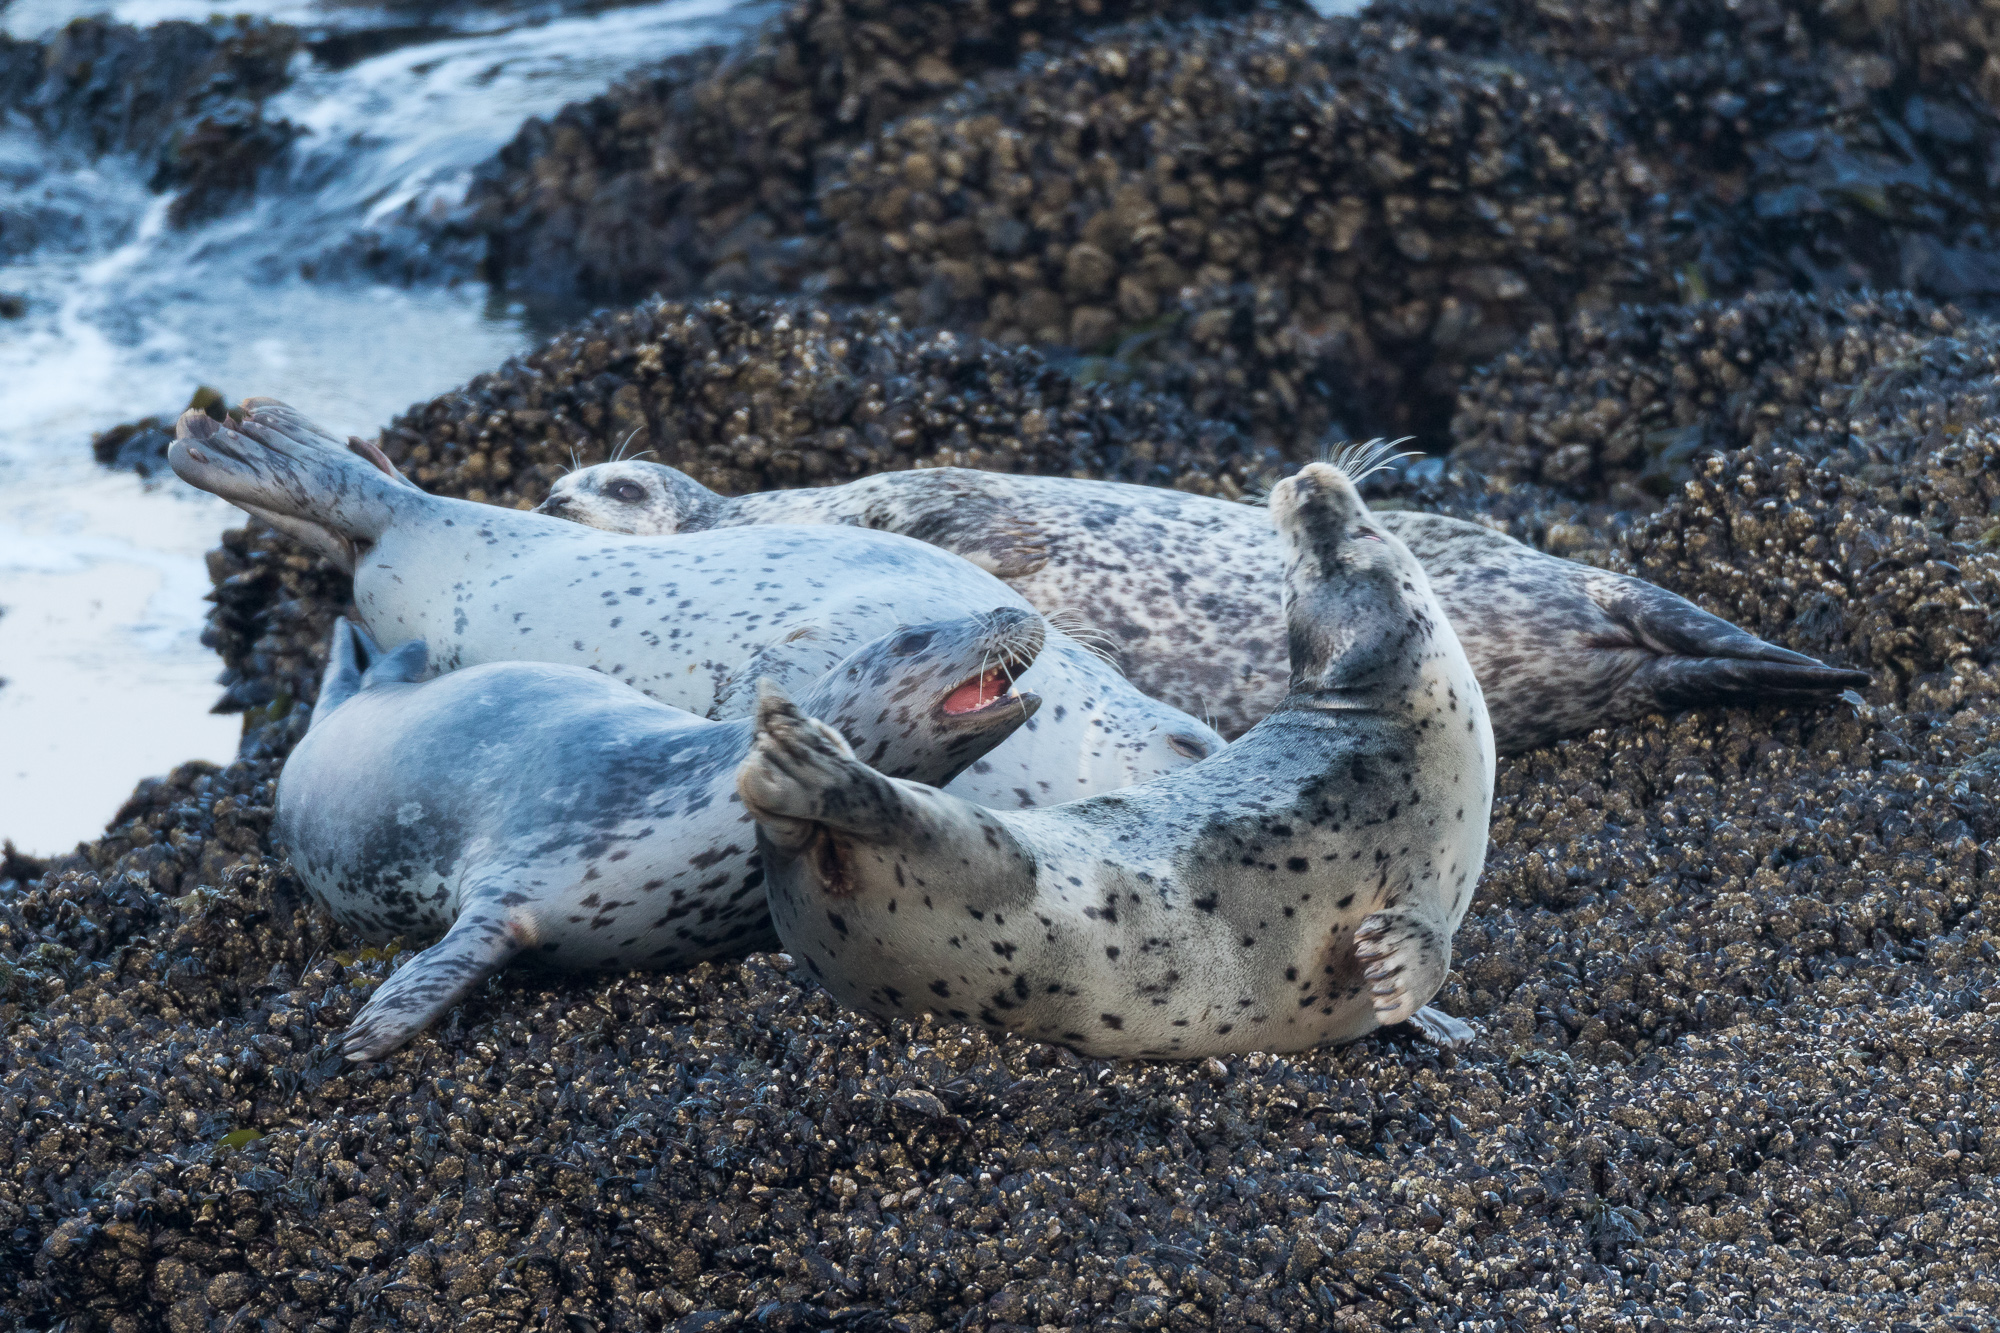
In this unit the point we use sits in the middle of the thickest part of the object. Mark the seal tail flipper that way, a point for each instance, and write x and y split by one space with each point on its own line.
354 664
1703 659
369 450
404 664
349 650
1441 1029
421 991
275 462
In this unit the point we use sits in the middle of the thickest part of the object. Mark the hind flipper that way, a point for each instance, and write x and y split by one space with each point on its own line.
421 991
348 652
404 664
1441 1029
372 451
1702 659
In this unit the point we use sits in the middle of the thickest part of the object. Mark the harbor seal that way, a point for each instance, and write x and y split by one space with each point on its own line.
693 619
1186 591
549 812
1299 888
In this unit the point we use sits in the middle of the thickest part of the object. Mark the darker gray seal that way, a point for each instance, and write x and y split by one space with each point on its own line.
527 808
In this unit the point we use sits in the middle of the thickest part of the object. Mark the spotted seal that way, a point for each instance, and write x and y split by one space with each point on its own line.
527 808
693 619
1300 887
1187 591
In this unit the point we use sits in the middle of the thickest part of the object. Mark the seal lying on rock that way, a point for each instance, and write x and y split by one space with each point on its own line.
1301 887
1186 590
550 811
695 620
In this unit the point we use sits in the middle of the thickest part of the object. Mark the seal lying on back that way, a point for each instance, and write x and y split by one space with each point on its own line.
552 812
1186 590
1300 887
695 620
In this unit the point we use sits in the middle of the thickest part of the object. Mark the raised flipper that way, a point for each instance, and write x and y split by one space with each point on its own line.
276 464
371 451
420 992
801 773
1703 659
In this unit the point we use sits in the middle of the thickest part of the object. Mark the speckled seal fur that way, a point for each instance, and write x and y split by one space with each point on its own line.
1299 888
1185 591
551 812
694 619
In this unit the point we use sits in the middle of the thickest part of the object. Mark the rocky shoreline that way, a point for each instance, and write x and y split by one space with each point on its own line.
1737 973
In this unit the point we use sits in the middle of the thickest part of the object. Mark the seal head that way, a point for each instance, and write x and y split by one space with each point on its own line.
631 496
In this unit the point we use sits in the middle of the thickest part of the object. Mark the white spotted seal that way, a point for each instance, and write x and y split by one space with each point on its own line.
1186 591
694 619
548 811
1300 887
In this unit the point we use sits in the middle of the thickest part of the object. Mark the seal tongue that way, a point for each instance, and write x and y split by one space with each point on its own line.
977 694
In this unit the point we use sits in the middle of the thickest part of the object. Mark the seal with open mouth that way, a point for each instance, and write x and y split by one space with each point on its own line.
695 619
1301 887
1186 591
552 813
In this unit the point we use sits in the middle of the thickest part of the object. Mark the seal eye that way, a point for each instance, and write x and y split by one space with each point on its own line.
1368 535
1187 747
911 643
629 491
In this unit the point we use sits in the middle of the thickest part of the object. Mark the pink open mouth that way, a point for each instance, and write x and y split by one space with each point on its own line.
980 693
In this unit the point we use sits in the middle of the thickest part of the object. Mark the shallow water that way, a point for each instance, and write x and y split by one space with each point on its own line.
101 577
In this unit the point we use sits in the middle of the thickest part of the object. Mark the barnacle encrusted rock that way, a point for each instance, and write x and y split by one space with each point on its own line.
700 174
1312 224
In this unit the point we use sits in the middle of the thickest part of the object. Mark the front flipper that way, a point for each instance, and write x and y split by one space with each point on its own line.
801 773
1703 659
1404 959
419 993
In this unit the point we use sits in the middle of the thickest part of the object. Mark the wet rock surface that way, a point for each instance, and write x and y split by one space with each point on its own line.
1733 970
1737 973
186 97
1303 225
700 176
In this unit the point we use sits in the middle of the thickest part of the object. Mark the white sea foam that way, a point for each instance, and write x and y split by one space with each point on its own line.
100 577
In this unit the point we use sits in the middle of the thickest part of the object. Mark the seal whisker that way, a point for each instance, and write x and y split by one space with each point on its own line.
1361 461
1098 643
